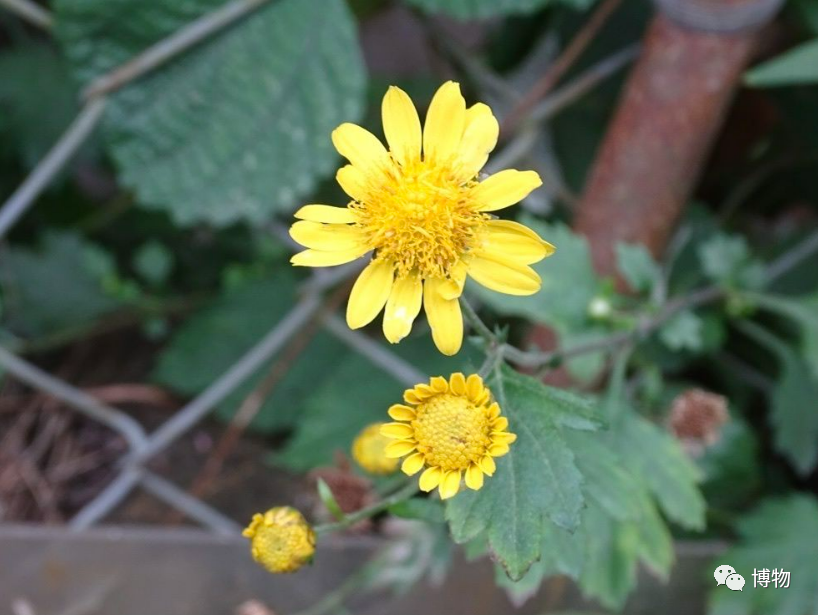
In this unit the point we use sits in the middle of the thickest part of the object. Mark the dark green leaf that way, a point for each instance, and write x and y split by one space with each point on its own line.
781 534
424 509
217 336
794 67
727 260
682 332
803 311
57 286
236 128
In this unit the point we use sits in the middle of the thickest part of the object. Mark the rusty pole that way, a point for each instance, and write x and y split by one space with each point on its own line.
673 105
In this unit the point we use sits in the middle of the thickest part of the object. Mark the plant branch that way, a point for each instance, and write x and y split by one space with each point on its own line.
400 495
567 58
479 326
170 47
31 12
792 258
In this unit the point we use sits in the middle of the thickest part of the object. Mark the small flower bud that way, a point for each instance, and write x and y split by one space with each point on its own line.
281 540
369 451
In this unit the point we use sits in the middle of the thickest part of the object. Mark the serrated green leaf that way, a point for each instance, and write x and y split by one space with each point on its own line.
793 415
55 286
794 67
213 339
682 332
238 127
781 533
637 266
476 9
352 393
538 478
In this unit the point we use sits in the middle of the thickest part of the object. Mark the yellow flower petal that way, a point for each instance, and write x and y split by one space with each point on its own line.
397 430
474 477
399 448
479 139
319 258
474 387
439 384
412 464
458 383
353 181
450 484
445 122
410 397
402 307
498 450
424 391
430 479
499 424
453 287
504 275
399 412
360 147
326 237
326 213
369 294
504 241
501 437
445 318
401 125
505 188
494 410
488 466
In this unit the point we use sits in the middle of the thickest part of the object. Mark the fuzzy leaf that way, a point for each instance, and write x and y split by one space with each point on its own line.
637 266
236 128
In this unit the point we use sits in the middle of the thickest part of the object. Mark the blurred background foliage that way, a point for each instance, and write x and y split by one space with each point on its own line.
168 223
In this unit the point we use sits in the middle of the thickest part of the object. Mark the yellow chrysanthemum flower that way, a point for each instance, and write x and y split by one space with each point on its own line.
422 210
450 427
281 540
369 451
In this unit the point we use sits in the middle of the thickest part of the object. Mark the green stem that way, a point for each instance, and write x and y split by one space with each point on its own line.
478 325
405 493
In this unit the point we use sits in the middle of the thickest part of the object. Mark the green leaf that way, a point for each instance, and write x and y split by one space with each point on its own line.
154 262
793 415
329 501
423 509
637 266
682 332
56 286
781 533
538 479
727 260
236 128
213 339
351 393
36 112
475 9
803 311
794 67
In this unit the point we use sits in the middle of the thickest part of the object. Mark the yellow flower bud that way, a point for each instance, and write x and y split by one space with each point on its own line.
281 540
369 451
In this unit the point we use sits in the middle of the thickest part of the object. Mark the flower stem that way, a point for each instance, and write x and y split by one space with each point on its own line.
406 492
478 325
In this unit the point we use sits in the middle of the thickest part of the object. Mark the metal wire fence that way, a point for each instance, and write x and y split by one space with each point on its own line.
143 446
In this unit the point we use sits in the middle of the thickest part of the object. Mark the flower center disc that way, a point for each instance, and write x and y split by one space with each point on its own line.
420 218
451 432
